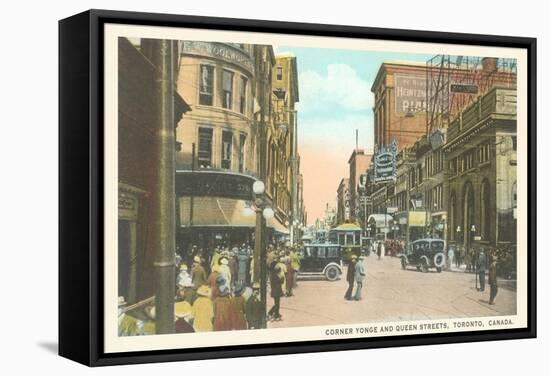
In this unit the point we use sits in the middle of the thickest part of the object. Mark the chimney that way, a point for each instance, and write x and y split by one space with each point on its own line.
489 64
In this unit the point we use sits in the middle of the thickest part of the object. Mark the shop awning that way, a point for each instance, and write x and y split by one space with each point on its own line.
380 220
220 212
417 219
347 227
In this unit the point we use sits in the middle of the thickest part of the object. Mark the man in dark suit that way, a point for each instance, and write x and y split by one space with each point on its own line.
350 277
493 280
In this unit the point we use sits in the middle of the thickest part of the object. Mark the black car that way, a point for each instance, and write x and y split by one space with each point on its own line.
425 254
321 260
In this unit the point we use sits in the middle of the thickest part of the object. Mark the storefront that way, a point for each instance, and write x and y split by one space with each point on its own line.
215 210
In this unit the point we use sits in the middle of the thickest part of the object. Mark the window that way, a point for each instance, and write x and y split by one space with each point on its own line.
279 73
227 144
205 148
242 141
227 87
206 88
242 102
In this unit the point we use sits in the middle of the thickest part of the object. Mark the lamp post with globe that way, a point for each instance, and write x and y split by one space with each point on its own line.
263 210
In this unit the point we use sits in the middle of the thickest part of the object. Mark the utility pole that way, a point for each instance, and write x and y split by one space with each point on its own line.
260 253
163 194
294 175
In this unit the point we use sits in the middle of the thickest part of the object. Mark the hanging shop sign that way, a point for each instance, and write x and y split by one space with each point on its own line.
385 162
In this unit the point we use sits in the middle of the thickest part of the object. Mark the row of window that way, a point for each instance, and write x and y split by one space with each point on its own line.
205 149
467 160
206 88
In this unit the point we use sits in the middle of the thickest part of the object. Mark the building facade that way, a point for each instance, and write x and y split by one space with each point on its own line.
399 103
481 154
343 213
359 162
222 148
282 180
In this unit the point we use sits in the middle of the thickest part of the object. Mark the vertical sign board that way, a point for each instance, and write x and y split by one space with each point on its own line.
385 162
410 93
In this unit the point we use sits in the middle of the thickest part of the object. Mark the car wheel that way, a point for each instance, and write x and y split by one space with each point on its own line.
332 273
424 266
403 263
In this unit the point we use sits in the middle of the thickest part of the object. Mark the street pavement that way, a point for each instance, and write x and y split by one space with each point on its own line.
392 294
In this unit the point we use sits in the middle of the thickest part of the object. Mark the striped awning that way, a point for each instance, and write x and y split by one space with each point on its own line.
220 212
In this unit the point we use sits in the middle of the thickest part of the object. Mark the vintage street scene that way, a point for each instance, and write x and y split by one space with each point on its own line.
272 186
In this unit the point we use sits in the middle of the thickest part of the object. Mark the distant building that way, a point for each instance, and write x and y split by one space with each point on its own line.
358 162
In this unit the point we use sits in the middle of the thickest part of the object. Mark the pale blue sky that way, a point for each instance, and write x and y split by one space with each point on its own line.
335 100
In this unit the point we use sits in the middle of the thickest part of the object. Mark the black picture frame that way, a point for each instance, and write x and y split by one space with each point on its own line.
81 185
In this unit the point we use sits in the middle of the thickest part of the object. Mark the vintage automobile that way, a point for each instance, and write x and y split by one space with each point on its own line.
425 254
321 260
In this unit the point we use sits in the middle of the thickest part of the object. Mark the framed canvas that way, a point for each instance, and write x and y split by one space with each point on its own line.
236 187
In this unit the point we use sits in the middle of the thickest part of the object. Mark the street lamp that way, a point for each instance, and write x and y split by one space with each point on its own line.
395 228
263 210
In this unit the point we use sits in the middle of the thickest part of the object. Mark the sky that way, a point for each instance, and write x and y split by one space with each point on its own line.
335 100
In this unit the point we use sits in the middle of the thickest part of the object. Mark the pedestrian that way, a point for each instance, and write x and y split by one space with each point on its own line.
222 310
238 318
360 274
379 249
481 267
493 280
203 310
225 272
183 312
350 277
242 266
468 261
254 308
212 278
187 292
276 281
289 276
198 274
127 324
450 257
184 279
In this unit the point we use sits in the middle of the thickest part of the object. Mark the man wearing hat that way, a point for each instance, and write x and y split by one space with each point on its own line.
127 325
225 272
493 280
277 279
254 308
213 281
222 310
238 320
350 277
183 276
242 266
198 275
183 312
203 310
360 274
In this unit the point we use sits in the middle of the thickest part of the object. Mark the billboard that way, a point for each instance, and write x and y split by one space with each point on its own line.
410 93
385 162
